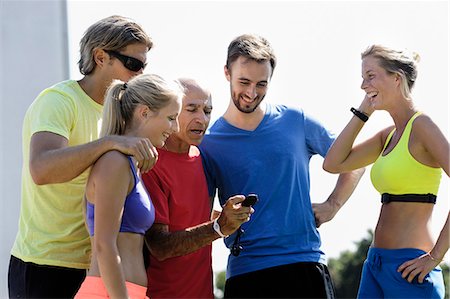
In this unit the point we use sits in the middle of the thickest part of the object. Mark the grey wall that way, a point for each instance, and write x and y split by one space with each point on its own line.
33 55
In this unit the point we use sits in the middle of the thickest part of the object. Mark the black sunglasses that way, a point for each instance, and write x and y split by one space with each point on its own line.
130 63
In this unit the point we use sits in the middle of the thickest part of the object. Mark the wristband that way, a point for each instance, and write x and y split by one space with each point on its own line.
216 227
359 114
433 258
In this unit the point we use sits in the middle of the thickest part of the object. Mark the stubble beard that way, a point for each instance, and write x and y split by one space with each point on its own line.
247 108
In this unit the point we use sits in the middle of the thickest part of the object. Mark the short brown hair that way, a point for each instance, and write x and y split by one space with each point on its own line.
251 46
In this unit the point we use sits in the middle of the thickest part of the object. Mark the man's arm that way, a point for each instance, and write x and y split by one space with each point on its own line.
164 244
346 184
53 161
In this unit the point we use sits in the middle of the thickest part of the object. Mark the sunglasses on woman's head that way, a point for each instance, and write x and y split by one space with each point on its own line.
130 63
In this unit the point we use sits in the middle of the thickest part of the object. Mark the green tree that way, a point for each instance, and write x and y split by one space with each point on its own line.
220 284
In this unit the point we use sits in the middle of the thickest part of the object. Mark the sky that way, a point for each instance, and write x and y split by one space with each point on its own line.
318 46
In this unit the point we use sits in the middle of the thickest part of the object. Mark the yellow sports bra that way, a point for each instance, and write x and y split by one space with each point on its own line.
398 173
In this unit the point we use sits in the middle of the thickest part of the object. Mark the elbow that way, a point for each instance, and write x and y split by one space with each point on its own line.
104 247
329 167
39 180
158 244
156 250
159 254
37 174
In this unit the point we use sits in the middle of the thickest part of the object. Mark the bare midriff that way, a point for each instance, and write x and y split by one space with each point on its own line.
404 225
131 258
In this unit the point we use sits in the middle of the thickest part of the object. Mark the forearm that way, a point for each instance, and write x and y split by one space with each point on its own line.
111 272
342 146
344 188
164 245
441 247
64 164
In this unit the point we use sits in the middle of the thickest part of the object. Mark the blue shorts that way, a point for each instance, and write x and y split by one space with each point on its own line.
380 279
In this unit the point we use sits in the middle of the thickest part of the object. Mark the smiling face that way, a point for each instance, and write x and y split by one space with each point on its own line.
159 125
249 81
379 85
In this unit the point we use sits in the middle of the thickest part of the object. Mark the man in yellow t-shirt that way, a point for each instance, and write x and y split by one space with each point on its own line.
60 142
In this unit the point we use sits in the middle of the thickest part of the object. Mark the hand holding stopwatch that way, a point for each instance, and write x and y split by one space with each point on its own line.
236 248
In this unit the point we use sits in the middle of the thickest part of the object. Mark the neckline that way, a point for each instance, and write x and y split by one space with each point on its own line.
191 153
90 100
408 126
267 112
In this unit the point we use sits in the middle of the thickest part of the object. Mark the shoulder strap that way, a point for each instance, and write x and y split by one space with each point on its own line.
388 139
133 170
408 128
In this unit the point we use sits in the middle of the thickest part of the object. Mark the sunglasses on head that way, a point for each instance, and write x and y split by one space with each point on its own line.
130 63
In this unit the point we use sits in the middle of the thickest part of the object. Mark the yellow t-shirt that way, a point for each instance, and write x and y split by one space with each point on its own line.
51 225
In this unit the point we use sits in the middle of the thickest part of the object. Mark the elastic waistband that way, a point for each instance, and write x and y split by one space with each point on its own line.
425 198
393 255
93 288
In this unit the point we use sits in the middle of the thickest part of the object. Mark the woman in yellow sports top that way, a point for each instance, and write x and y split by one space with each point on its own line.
408 157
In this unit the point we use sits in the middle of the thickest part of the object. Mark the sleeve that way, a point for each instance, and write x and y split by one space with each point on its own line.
158 196
318 138
54 112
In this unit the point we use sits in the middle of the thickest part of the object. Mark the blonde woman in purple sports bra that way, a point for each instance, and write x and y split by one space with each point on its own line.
118 208
407 159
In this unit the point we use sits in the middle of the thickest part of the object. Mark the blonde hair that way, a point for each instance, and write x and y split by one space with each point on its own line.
253 47
123 98
111 33
400 62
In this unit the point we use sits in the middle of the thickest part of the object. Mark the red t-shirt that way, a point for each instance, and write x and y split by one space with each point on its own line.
179 192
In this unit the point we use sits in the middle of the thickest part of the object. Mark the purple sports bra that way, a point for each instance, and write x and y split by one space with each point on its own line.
138 213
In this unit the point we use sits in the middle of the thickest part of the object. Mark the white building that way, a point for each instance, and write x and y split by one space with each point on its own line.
33 56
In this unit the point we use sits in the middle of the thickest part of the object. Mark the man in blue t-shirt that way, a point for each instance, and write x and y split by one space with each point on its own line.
266 150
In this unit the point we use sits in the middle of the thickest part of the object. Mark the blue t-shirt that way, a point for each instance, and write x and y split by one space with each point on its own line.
273 162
